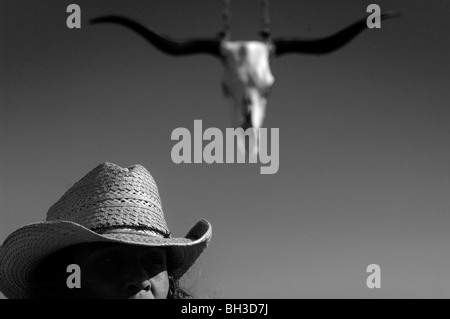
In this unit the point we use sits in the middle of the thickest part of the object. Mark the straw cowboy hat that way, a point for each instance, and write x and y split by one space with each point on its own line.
110 204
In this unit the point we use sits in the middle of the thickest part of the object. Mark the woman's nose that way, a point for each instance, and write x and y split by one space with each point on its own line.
137 278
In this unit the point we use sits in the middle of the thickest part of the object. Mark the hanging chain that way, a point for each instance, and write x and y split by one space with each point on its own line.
226 18
266 19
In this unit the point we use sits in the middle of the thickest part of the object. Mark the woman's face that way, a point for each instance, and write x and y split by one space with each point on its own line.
119 271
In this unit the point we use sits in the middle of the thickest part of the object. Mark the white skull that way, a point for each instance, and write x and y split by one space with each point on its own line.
247 80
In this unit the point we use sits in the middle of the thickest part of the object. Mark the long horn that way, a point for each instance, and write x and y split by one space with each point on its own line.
324 45
164 43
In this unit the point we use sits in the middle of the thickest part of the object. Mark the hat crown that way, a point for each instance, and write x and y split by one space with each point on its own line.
112 197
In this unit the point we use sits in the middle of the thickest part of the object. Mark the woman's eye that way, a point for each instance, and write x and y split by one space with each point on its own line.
108 260
155 263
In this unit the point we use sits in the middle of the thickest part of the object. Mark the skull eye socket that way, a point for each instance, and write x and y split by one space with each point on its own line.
265 92
225 90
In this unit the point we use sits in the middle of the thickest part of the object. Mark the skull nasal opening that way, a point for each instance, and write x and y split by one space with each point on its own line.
246 100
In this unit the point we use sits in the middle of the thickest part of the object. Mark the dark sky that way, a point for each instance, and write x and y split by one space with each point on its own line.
364 173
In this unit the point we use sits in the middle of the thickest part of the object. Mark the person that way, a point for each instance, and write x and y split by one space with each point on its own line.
110 228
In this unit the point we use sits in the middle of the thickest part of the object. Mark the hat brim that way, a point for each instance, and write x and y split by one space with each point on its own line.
25 248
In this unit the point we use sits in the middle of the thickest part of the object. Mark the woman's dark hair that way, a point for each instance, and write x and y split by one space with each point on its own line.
48 280
177 292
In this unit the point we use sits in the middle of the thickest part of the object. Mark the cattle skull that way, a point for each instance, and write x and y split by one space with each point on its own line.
247 76
247 80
